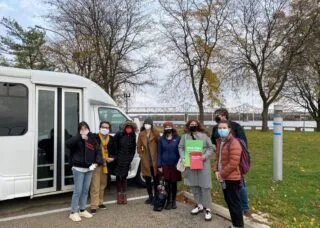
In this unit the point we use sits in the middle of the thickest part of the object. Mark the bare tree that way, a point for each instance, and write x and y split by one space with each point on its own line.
266 36
304 80
107 41
192 30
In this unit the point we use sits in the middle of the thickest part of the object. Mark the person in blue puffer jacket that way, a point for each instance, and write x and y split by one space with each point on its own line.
168 156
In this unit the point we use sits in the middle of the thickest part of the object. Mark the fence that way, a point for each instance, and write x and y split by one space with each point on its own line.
253 128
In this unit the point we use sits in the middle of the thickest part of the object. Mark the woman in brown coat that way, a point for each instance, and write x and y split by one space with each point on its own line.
227 170
147 148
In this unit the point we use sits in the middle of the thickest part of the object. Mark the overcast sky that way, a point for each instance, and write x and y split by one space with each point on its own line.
29 12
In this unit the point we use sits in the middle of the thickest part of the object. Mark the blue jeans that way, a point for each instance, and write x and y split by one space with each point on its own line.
244 197
82 182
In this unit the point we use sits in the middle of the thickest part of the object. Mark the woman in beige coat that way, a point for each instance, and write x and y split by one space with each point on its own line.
147 148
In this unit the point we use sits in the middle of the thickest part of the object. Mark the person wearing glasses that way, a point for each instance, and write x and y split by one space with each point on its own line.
99 175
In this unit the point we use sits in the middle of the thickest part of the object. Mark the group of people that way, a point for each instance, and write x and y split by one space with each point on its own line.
94 156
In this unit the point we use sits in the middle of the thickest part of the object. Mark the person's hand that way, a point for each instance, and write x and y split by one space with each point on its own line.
93 166
218 176
203 157
160 169
84 137
110 160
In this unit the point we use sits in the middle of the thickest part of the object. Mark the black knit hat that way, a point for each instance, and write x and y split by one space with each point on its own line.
148 120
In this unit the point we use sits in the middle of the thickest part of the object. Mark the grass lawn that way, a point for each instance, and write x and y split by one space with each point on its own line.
294 202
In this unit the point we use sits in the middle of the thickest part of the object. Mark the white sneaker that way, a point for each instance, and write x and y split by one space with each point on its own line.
197 209
85 214
75 217
207 215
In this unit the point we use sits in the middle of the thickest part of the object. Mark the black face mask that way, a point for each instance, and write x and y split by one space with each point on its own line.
217 119
193 128
167 131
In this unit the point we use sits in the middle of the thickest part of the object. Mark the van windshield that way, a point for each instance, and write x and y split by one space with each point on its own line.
114 116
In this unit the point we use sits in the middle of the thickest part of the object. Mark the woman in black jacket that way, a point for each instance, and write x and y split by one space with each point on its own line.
85 156
125 148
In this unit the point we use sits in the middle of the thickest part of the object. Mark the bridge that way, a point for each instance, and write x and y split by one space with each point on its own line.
193 109
184 112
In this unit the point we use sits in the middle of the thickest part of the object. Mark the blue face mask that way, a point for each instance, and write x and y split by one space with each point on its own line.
223 133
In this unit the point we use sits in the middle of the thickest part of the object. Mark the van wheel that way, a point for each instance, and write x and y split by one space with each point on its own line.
140 179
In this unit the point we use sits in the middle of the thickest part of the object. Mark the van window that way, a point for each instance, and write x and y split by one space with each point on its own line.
13 109
114 116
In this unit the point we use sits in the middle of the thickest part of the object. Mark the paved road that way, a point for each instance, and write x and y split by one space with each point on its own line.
22 206
135 214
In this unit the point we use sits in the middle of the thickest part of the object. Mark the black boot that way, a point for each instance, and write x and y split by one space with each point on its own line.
169 196
174 195
149 190
149 200
168 205
174 205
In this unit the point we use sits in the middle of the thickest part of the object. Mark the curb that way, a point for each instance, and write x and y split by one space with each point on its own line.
224 213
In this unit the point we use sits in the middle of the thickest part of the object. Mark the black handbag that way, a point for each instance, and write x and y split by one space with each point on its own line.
160 196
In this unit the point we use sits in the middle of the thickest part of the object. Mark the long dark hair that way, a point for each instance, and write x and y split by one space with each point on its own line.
200 127
83 124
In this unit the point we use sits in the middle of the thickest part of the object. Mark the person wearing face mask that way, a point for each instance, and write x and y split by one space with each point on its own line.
99 176
236 129
147 148
238 132
85 154
227 170
199 180
168 156
125 149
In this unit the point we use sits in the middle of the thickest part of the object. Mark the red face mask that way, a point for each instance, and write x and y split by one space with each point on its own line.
128 130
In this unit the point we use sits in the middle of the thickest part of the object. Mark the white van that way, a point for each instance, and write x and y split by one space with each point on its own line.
39 110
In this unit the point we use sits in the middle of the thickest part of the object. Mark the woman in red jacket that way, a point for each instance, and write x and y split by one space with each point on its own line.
227 170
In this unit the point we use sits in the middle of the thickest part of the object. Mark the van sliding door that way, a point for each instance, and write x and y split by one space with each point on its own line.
46 127
59 112
71 116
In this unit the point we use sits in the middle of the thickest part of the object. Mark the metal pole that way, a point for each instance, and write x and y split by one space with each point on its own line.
126 104
212 118
277 143
304 118
126 96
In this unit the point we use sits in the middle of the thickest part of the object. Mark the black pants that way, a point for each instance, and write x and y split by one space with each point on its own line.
232 198
172 190
149 183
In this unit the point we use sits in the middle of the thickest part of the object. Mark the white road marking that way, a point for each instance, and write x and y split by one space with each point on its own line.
59 210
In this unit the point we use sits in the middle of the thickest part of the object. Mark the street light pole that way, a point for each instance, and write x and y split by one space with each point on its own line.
126 96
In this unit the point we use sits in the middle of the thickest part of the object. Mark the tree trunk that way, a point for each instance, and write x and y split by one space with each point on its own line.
265 117
201 113
318 125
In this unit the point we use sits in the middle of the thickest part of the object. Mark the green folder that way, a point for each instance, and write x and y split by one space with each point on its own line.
192 146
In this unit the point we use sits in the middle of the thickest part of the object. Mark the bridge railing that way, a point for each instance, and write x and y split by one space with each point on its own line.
253 128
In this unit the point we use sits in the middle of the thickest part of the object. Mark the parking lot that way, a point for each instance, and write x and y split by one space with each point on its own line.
52 211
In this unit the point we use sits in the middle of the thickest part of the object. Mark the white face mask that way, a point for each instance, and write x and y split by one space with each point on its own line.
104 131
147 126
84 132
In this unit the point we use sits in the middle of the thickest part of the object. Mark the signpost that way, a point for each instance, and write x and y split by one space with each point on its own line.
277 143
